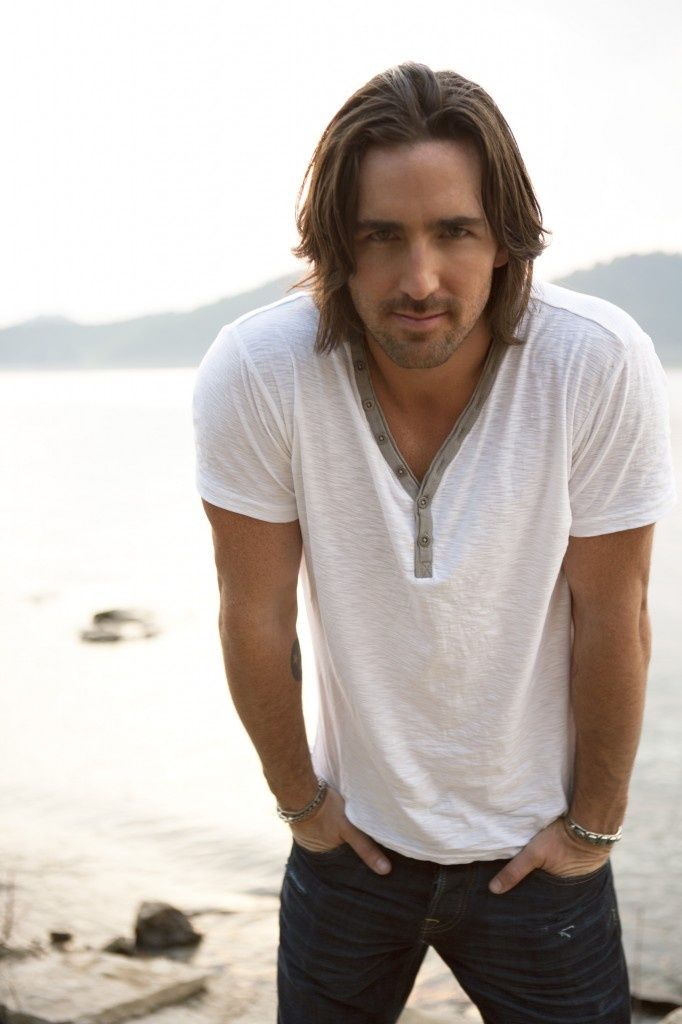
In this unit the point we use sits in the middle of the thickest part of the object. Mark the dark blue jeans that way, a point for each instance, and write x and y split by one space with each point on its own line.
351 941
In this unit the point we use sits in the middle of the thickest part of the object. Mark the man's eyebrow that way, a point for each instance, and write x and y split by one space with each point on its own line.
461 222
377 225
443 222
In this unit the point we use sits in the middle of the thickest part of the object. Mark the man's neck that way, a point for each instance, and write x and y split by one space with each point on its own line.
436 389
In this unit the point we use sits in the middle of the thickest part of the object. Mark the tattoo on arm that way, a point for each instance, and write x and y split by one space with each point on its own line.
296 666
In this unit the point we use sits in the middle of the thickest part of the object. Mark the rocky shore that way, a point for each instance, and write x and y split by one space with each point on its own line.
223 972
229 976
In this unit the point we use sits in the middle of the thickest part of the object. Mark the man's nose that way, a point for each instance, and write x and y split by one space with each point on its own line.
419 277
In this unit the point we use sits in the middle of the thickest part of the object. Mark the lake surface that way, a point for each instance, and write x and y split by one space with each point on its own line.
124 771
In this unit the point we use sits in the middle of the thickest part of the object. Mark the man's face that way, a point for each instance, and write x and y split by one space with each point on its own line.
424 251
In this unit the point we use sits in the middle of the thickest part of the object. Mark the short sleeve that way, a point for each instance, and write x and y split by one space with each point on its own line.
243 453
621 474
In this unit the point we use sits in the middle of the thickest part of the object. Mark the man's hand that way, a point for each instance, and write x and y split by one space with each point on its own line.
554 850
329 827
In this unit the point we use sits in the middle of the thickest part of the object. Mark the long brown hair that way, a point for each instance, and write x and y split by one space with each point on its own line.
407 104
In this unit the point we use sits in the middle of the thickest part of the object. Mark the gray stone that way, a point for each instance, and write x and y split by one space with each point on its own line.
91 988
673 1018
120 624
121 945
18 952
240 951
161 926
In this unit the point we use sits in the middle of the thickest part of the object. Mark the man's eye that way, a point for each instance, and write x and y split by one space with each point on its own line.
381 236
456 232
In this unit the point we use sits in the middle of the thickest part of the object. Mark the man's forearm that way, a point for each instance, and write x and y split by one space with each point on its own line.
262 663
608 681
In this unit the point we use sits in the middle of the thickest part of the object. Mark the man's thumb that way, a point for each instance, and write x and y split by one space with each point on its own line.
368 851
512 873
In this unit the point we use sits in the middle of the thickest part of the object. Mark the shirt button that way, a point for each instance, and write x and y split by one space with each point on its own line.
424 541
368 404
359 365
381 438
400 471
423 501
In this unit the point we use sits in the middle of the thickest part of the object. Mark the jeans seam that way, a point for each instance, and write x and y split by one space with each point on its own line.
436 893
441 928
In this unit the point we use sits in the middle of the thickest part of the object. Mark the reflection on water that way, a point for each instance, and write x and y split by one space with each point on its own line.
124 771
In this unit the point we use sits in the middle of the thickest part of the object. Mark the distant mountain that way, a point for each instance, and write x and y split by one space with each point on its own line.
164 339
649 287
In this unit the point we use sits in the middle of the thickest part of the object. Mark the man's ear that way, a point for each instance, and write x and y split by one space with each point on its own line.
501 257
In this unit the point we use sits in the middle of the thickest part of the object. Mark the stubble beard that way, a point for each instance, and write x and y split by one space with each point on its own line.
417 352
420 353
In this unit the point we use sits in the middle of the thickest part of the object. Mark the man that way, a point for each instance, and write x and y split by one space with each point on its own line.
468 467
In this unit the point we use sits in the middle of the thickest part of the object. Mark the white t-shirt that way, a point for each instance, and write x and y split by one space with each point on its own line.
439 611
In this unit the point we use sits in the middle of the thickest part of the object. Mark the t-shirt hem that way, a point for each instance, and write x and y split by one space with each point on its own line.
243 506
438 856
612 524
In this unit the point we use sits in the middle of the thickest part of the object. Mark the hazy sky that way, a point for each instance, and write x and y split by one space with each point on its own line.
153 149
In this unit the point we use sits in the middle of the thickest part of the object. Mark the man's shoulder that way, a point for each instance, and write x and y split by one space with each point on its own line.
289 323
571 314
568 328
264 343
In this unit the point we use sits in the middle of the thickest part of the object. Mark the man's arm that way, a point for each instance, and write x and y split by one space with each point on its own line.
608 578
258 565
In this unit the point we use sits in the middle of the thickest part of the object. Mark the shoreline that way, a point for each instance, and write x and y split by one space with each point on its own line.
238 952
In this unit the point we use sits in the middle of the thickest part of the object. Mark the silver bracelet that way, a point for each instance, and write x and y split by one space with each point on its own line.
596 838
291 817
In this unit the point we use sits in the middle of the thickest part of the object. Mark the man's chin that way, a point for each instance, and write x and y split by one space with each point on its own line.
418 353
421 356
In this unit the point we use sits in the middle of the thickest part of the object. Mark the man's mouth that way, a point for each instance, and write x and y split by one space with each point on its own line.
410 318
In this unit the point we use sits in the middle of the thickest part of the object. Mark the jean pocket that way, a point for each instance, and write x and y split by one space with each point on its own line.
336 851
572 880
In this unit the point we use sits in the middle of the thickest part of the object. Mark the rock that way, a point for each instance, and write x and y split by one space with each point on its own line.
673 1018
96 636
69 988
120 945
240 949
120 624
59 938
16 953
159 926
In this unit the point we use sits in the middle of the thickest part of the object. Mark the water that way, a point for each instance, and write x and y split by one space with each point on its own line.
124 771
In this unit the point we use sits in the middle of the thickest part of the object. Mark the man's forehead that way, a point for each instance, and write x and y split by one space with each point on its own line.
457 156
441 176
